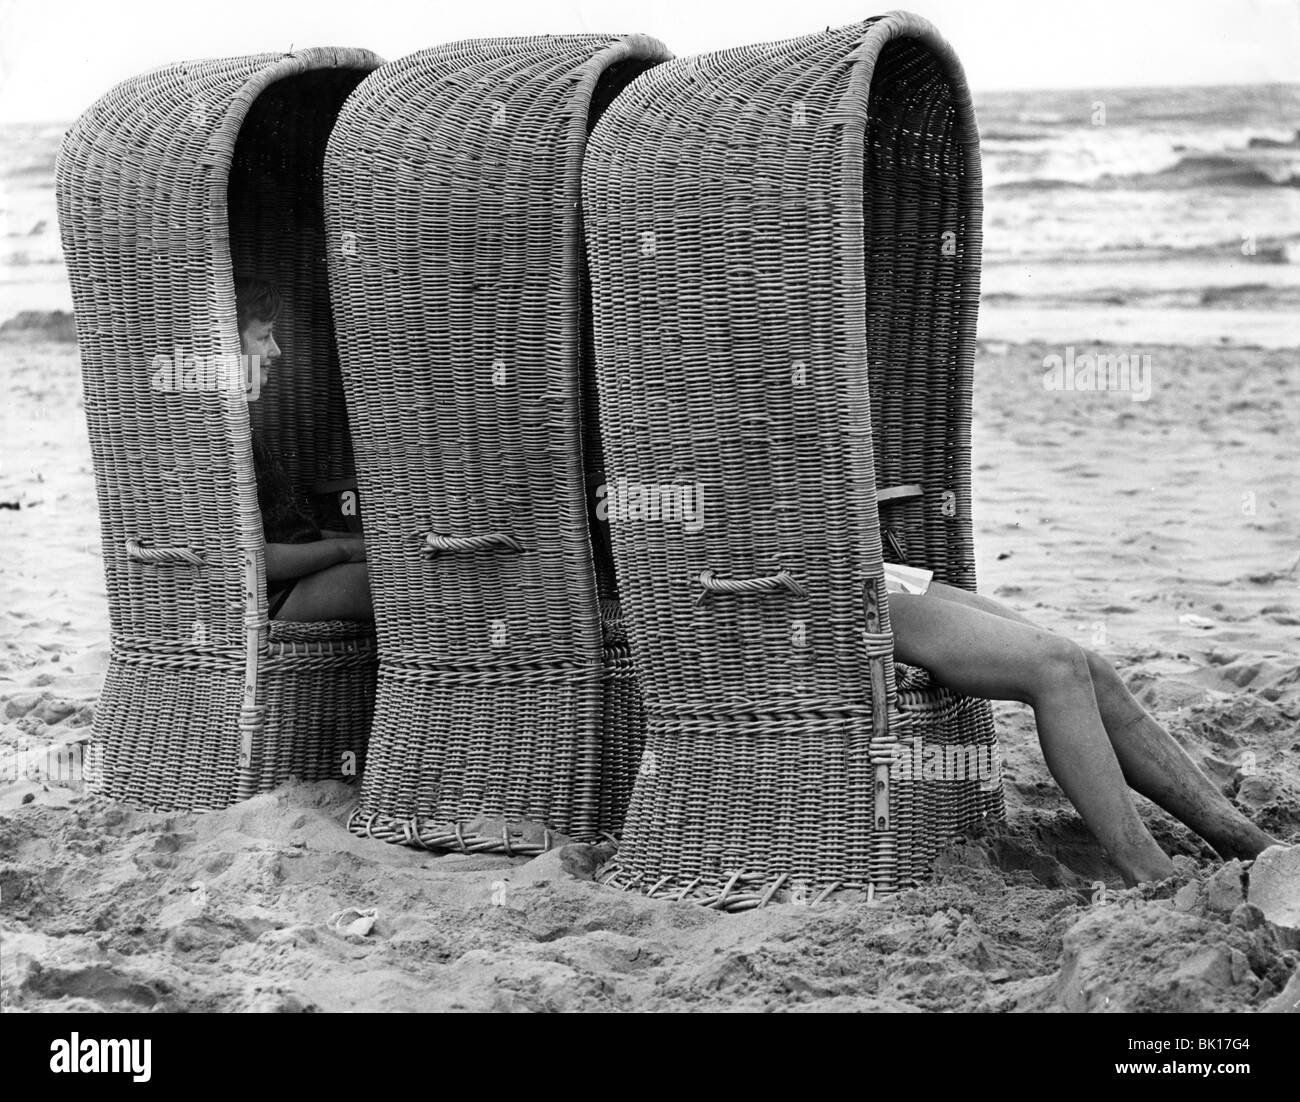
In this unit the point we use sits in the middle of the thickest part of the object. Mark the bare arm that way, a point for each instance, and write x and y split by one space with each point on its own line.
294 560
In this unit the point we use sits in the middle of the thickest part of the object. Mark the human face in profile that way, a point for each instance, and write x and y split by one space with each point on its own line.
258 340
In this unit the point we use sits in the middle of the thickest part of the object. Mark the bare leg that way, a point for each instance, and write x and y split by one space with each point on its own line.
340 593
1153 762
979 654
1155 765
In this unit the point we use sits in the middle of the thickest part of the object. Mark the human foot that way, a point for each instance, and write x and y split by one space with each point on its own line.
1137 871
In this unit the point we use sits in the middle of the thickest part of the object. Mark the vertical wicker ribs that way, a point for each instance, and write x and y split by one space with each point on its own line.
169 187
507 711
784 245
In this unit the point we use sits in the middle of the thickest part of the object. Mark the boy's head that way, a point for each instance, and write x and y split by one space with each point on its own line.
257 306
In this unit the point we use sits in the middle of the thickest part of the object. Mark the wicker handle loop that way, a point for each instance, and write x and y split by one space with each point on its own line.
888 495
138 551
435 544
771 584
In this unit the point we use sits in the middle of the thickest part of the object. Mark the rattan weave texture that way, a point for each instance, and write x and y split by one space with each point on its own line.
784 242
168 187
507 709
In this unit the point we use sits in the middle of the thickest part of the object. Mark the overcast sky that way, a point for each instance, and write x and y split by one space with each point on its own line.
57 56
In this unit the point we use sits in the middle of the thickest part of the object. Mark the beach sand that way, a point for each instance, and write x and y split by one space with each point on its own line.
1164 532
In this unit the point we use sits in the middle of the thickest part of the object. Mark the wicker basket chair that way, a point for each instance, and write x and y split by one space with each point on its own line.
169 187
507 714
784 243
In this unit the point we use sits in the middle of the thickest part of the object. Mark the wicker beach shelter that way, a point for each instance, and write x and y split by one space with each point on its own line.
507 713
784 243
170 187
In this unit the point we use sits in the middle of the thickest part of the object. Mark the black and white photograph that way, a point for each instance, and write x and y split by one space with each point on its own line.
651 507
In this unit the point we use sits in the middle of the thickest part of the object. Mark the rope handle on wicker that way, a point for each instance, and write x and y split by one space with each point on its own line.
887 495
139 551
713 584
435 543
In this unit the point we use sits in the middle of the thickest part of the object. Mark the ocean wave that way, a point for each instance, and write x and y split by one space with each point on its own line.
1011 135
1242 296
1239 169
1274 167
1273 143
1044 118
1171 158
1016 187
1270 250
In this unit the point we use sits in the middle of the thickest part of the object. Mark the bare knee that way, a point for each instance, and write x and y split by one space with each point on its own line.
338 593
1105 678
1098 666
1058 661
354 593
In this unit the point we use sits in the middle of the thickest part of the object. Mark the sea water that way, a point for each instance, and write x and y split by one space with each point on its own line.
1157 210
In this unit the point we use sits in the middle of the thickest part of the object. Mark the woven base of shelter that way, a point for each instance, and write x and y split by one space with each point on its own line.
947 774
810 781
507 742
514 745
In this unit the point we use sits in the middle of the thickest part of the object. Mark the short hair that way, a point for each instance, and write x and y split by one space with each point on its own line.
256 300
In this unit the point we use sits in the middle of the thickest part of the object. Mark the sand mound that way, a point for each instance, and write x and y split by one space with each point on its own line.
109 908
